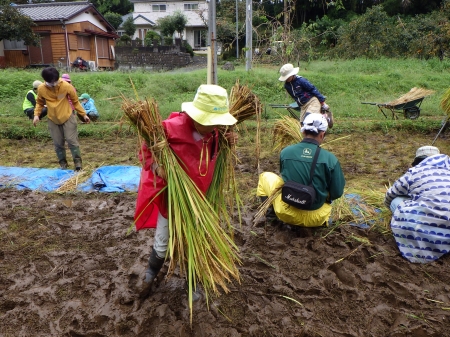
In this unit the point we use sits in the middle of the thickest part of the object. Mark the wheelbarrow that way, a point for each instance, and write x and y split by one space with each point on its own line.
408 104
292 108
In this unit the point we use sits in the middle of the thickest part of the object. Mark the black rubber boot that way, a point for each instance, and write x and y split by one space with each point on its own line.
270 213
76 155
155 264
61 154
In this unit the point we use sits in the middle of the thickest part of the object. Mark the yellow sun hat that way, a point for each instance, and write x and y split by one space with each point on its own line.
210 106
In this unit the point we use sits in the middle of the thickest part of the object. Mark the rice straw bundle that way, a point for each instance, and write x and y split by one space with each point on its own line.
70 184
445 102
286 131
244 104
197 242
262 210
413 94
223 192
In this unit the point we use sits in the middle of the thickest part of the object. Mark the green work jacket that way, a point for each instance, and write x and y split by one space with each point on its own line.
328 179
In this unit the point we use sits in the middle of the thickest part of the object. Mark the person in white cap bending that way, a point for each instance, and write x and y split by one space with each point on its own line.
305 94
194 138
295 165
420 205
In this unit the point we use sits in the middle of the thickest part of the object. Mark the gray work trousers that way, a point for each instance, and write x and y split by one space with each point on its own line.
161 236
67 131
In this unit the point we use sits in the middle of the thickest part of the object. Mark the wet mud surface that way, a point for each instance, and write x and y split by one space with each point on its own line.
68 267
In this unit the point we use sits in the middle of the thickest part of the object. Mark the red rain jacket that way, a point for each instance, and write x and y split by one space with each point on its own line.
179 129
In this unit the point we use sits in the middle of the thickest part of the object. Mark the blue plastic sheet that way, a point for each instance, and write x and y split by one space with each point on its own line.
113 179
103 179
33 178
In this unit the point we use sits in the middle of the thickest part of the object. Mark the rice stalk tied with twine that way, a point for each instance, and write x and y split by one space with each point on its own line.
201 247
223 193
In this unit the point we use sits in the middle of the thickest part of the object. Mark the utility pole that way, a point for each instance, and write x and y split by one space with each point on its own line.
248 37
237 31
212 50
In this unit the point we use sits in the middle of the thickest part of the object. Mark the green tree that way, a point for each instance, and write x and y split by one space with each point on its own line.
15 26
166 26
179 21
129 27
115 19
116 6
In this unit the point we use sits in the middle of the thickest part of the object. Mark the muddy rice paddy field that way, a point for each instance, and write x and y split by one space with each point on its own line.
67 267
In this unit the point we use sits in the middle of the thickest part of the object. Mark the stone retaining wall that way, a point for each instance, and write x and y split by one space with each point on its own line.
152 58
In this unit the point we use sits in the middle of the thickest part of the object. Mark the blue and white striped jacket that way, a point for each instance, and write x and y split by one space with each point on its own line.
421 224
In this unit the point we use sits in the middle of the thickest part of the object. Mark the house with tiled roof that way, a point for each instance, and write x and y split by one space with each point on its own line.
67 30
149 11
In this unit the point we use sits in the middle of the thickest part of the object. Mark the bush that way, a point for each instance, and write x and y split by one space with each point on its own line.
168 40
188 48
124 40
152 36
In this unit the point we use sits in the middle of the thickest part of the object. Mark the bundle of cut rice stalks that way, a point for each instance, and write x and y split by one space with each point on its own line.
286 131
223 194
413 94
203 250
445 102
71 184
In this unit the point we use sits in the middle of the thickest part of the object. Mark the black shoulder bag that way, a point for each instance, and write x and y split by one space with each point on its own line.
298 195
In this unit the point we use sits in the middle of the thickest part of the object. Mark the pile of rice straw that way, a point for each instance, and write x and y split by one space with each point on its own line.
71 184
413 94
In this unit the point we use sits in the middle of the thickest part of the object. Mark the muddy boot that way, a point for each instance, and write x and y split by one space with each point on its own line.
61 154
76 155
270 213
155 264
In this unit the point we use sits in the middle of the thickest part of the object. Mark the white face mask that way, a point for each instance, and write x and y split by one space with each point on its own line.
51 84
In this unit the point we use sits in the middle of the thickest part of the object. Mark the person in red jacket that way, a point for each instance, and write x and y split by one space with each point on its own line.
193 136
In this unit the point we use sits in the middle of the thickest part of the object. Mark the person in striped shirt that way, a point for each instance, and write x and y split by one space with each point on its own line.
420 205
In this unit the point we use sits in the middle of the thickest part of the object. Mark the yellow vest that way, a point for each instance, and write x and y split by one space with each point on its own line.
26 103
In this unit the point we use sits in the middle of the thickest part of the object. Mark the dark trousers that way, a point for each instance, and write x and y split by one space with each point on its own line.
30 113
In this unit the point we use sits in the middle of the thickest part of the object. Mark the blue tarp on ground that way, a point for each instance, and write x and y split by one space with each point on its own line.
113 179
103 179
33 178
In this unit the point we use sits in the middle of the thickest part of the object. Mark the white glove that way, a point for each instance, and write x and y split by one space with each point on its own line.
325 106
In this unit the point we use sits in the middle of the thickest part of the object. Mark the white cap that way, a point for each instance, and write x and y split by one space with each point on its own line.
427 151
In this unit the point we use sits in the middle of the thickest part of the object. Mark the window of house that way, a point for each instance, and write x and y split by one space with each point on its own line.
14 45
102 48
190 7
84 42
158 8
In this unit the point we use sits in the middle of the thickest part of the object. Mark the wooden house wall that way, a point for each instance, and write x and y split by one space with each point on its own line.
16 58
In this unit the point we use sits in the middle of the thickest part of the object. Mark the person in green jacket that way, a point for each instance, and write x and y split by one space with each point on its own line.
295 165
29 102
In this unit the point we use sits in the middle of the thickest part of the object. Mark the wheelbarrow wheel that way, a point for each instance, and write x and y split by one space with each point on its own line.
412 113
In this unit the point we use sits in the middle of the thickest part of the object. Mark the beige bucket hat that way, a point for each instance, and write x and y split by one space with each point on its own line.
287 71
210 106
